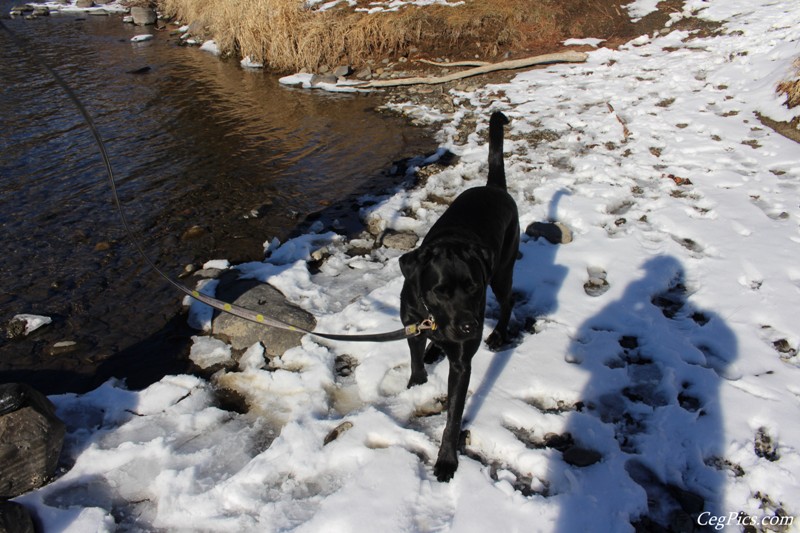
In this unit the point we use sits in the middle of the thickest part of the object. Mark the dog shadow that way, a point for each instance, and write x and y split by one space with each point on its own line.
537 281
649 423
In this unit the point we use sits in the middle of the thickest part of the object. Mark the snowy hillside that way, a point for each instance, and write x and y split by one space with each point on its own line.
666 390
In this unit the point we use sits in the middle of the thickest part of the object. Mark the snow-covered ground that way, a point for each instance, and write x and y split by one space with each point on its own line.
683 375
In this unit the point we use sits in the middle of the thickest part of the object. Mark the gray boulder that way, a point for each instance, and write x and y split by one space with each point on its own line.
265 299
84 3
31 436
143 16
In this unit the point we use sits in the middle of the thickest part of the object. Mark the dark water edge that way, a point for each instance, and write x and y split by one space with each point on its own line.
195 142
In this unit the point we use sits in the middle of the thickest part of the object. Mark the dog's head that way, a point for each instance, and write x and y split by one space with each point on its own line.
450 282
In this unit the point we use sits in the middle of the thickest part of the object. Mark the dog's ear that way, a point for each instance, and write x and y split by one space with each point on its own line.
410 263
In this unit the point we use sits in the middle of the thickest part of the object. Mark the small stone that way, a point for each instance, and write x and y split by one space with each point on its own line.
143 16
581 457
402 241
316 79
765 447
193 233
62 347
597 284
364 74
342 71
83 4
555 233
337 432
102 246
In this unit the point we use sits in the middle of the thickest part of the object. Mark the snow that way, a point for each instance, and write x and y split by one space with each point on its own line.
68 6
683 376
33 322
211 47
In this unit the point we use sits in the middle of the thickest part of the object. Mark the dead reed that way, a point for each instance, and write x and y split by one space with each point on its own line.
287 35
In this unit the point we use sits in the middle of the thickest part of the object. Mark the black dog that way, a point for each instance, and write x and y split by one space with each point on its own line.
472 246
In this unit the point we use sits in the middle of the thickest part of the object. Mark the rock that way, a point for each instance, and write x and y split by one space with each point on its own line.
242 334
336 432
765 447
193 233
556 233
14 328
22 325
31 437
20 10
102 2
84 3
143 16
364 74
41 11
342 71
62 347
597 283
316 79
403 241
14 518
581 457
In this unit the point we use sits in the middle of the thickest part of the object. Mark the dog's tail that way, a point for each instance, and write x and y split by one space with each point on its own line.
497 173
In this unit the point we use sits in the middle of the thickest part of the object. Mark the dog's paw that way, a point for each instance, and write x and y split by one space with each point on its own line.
417 379
444 469
496 340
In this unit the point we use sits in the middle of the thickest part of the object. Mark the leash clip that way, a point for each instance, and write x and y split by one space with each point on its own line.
414 330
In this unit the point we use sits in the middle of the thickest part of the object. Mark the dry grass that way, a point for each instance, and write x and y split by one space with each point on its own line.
791 88
287 36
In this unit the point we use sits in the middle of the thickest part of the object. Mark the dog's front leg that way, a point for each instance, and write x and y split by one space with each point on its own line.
419 375
457 384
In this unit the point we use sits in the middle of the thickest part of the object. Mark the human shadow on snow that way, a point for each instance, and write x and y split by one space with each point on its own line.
651 408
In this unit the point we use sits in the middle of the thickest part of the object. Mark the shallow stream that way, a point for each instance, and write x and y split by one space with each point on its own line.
211 161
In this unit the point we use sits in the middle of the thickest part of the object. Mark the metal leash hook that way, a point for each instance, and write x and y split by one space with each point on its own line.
225 307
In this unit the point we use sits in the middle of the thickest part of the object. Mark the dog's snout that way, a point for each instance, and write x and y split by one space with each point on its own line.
469 327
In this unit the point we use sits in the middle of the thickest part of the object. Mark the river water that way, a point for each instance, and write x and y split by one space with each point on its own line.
195 141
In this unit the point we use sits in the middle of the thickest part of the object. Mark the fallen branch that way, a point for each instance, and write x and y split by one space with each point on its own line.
560 57
454 63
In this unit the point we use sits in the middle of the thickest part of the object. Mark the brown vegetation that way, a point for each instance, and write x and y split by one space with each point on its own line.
791 88
287 35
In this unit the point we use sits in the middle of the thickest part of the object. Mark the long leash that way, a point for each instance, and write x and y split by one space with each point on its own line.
412 330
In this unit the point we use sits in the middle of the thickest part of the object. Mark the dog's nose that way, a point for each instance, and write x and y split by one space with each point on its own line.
469 327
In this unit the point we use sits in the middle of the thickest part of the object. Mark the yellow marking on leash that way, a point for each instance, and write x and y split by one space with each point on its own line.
196 294
260 318
227 307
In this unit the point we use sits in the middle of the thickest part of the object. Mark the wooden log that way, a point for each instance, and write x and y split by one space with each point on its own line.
512 64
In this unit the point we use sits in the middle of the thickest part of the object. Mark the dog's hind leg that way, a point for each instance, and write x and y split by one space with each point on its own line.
419 375
502 288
